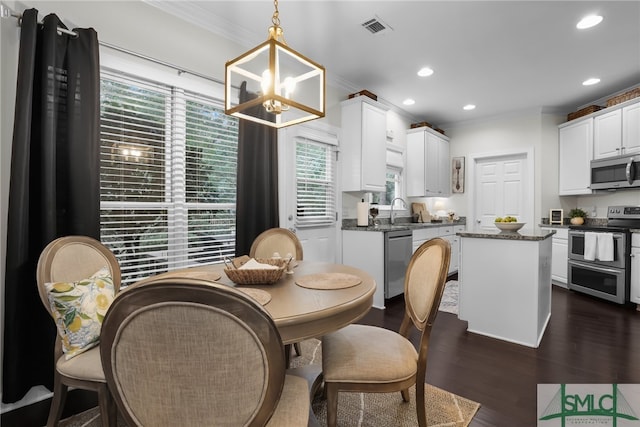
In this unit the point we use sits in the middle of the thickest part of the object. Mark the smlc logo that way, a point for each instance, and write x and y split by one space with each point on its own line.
588 404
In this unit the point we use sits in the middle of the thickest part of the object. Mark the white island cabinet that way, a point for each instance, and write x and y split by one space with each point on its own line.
505 284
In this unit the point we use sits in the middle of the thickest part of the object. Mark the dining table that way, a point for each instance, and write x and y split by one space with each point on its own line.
301 310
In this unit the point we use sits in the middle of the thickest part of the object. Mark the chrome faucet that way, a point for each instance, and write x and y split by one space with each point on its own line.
392 218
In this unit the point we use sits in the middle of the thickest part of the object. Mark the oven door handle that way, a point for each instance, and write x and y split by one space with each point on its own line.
596 267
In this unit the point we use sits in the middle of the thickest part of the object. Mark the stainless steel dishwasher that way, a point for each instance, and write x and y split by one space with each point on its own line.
397 253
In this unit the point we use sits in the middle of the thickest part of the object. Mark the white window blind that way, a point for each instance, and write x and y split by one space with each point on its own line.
168 173
315 183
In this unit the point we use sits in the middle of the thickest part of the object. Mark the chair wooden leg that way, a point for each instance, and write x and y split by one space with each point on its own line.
297 348
106 403
331 391
421 404
405 395
57 402
287 355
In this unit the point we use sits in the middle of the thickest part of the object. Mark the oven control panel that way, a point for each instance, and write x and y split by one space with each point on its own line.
628 212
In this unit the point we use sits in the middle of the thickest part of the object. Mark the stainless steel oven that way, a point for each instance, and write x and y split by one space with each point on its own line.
604 279
577 245
604 282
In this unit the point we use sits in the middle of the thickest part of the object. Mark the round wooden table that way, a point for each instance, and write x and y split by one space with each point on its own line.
299 312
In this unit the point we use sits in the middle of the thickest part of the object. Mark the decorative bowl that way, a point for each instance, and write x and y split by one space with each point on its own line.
509 226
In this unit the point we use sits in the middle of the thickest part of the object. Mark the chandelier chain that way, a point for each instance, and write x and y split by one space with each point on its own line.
275 19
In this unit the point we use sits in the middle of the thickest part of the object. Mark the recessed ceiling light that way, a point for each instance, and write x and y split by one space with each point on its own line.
469 107
408 101
425 72
590 82
589 21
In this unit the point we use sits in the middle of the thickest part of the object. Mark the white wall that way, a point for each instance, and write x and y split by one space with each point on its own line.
525 130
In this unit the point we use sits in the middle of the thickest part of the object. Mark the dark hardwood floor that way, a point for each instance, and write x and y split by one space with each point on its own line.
587 341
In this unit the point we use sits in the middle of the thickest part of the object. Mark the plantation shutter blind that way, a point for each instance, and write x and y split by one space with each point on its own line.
168 161
315 183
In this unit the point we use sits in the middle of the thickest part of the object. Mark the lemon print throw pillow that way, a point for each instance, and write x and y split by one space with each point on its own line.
79 308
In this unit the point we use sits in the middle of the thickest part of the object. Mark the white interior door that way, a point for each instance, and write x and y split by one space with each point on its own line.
502 187
318 231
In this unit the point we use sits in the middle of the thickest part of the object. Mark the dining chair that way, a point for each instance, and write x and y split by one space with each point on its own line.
278 240
189 352
283 242
70 259
362 358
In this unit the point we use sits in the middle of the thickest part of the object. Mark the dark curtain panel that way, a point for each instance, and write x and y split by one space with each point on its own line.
55 183
257 191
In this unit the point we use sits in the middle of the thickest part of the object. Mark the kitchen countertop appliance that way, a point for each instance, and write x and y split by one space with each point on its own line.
603 274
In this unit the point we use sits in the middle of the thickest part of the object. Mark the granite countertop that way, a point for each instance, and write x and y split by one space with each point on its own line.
403 226
554 225
507 235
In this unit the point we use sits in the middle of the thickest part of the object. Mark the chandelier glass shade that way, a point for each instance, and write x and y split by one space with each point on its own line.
288 85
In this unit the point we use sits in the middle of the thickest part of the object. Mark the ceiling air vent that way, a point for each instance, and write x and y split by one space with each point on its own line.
376 26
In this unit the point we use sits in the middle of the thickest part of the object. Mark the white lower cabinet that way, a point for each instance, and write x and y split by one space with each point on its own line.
365 250
559 255
635 269
446 232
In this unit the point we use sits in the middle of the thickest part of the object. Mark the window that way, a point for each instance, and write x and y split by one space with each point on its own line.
168 176
393 185
315 183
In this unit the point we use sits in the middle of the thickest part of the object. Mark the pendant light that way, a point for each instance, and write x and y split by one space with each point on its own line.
288 85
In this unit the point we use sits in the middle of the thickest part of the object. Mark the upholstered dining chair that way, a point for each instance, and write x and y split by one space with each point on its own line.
70 259
364 358
282 241
188 352
278 240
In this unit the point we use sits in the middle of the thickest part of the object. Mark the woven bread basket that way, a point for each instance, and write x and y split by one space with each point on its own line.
257 277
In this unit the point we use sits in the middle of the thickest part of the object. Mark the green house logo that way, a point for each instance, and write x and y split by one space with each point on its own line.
588 407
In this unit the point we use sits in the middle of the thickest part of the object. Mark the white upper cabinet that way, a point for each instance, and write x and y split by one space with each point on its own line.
428 168
617 132
607 135
631 128
575 141
364 144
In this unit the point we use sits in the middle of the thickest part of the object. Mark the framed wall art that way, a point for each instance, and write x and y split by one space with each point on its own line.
457 175
555 216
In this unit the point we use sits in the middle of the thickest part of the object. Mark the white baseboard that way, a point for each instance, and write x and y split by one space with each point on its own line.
36 394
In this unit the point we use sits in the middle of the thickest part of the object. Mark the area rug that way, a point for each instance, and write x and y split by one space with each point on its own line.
449 302
357 409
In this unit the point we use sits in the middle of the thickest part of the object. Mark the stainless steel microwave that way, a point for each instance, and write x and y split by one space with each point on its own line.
615 172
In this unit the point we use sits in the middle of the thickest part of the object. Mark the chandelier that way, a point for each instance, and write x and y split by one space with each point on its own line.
289 87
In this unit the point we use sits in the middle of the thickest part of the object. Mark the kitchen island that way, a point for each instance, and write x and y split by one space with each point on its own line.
505 284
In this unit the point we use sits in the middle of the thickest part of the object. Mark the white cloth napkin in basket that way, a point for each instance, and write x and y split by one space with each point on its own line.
252 264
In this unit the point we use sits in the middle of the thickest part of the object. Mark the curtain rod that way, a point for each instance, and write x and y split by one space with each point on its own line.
6 12
161 62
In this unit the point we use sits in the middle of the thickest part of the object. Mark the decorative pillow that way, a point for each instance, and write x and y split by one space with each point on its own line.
79 308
